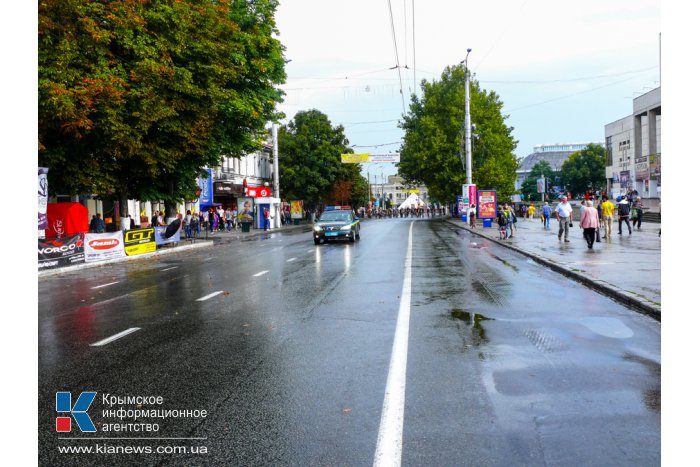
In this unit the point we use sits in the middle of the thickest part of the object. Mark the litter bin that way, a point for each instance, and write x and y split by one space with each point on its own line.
487 223
464 218
296 221
245 226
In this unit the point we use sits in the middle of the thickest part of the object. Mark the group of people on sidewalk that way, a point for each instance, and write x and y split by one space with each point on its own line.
592 217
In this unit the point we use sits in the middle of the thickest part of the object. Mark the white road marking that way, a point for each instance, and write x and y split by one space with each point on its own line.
105 285
207 297
114 337
290 260
390 437
260 273
168 269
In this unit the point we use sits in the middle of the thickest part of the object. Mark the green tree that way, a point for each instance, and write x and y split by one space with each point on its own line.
434 139
529 186
584 170
309 161
135 97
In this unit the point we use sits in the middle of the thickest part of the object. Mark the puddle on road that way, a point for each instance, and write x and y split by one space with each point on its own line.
651 395
477 336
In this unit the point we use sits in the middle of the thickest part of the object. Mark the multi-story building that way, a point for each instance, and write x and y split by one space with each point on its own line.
633 149
395 191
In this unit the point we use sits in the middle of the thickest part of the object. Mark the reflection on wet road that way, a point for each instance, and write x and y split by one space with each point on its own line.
287 346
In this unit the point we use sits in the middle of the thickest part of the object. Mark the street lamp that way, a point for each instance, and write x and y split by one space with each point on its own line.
467 121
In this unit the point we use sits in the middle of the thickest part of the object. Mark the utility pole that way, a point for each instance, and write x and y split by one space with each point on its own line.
467 121
276 175
544 186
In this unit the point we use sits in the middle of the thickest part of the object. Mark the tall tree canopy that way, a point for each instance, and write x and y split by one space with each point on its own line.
136 96
529 186
434 126
585 170
309 161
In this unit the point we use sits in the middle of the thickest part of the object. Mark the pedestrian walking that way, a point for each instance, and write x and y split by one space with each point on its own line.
607 209
589 222
502 224
546 214
636 213
472 216
512 219
623 214
531 212
563 212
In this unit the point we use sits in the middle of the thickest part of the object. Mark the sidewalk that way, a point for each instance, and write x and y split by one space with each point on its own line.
626 268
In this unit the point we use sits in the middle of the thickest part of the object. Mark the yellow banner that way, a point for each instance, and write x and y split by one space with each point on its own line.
410 191
140 249
354 158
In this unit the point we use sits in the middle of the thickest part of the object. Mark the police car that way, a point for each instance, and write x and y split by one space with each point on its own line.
336 222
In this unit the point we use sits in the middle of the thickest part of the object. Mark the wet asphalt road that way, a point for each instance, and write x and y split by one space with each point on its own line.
508 362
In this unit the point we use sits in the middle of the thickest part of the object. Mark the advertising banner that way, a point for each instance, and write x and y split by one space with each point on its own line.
162 240
206 185
297 209
61 252
540 185
43 198
103 246
486 204
139 241
259 191
245 209
385 158
354 158
625 179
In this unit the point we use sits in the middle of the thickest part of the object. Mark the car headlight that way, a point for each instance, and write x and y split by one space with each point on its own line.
318 228
346 227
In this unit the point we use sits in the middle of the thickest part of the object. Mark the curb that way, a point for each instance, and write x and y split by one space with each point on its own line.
602 287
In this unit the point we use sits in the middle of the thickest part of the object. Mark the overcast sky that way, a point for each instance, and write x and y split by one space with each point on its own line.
562 69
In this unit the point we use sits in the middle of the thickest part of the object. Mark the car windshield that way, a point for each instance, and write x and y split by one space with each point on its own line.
335 216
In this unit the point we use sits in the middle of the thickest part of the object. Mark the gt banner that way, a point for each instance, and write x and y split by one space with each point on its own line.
162 240
43 198
297 209
61 252
139 241
103 246
486 204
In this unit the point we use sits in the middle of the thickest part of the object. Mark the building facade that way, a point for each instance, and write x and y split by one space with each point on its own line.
395 191
633 149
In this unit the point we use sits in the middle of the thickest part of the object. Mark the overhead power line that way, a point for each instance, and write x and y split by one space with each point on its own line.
374 145
396 55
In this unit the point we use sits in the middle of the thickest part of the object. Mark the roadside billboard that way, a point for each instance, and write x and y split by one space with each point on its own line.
139 241
297 209
486 204
161 239
104 246
61 252
245 209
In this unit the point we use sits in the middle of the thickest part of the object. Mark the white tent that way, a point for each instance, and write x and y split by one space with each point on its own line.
413 201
